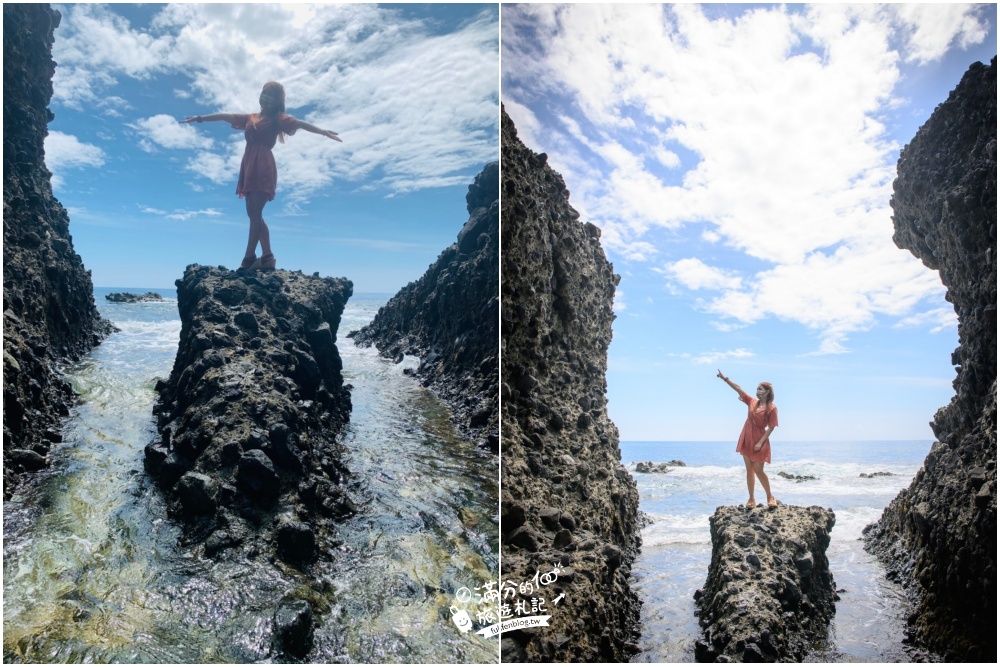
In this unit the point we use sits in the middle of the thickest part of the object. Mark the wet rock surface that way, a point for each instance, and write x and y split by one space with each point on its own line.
251 417
49 313
566 499
448 318
938 537
769 593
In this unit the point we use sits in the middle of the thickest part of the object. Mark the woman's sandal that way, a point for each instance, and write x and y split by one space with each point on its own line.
265 263
772 503
751 504
248 262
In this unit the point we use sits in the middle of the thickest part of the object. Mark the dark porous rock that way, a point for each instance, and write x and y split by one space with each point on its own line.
938 537
295 541
448 318
796 478
293 628
250 431
557 293
871 475
196 493
769 594
130 297
49 313
256 475
25 460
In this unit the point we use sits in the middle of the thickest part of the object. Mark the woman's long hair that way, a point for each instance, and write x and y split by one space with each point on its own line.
277 91
769 397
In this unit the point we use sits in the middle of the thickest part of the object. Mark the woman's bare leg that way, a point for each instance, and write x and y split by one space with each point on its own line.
764 481
259 232
750 471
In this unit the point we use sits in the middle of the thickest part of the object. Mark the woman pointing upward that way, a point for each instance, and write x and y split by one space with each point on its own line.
754 443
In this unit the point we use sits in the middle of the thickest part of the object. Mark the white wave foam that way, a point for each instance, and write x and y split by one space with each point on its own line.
676 529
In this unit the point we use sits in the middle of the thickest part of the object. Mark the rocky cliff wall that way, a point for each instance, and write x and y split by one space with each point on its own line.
567 503
449 318
251 416
49 313
938 537
769 593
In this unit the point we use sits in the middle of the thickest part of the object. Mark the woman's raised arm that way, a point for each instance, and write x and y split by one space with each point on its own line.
309 127
227 117
735 386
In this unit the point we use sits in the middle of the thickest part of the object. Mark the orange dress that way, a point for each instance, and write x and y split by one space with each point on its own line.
258 171
757 422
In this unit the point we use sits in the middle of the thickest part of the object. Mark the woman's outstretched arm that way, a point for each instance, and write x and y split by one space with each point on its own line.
309 127
735 386
227 117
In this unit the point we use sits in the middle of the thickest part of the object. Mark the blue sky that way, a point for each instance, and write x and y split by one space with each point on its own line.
739 160
412 89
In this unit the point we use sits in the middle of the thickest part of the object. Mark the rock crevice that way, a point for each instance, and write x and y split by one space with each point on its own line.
449 318
567 501
49 312
769 593
938 537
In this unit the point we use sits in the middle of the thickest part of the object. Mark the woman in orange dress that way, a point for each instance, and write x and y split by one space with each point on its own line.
754 443
258 171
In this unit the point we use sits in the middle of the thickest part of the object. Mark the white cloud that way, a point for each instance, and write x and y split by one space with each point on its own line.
64 151
783 112
181 213
416 107
715 357
935 27
167 132
619 301
938 319
695 274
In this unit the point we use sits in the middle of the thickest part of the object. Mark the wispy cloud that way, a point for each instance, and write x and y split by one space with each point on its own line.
182 214
938 319
764 129
166 132
416 107
715 357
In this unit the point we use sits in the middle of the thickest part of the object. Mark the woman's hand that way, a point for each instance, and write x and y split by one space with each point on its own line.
191 119
332 135
720 375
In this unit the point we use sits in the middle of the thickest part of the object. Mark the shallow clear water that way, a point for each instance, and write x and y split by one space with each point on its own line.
94 572
676 549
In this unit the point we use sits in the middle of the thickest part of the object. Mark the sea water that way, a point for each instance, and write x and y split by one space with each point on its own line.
676 544
95 571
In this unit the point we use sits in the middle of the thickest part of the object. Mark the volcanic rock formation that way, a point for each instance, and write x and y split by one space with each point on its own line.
49 313
251 415
567 502
938 537
449 316
769 592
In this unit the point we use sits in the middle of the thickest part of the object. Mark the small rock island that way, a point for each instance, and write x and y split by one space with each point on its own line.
131 297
